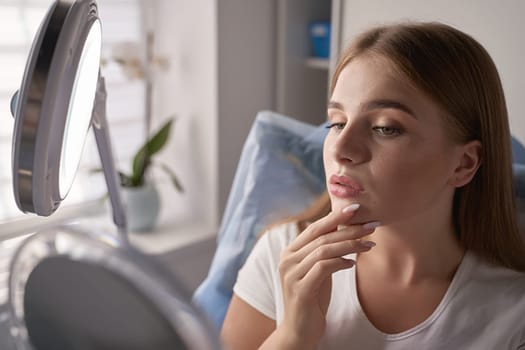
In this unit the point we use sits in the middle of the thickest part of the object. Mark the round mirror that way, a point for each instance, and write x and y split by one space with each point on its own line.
53 108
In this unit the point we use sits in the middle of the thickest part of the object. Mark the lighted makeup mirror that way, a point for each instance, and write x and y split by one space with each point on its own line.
68 288
60 97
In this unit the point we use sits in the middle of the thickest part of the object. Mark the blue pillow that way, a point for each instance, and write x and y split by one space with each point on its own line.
518 167
519 187
518 151
280 173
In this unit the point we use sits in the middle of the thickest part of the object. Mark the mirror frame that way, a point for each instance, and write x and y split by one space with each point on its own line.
42 104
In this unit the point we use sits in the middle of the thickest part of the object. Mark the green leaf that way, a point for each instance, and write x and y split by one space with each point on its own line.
173 177
142 159
158 141
140 164
125 180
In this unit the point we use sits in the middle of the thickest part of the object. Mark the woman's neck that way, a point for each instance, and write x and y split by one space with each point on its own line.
410 252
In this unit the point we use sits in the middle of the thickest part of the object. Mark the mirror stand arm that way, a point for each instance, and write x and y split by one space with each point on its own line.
100 127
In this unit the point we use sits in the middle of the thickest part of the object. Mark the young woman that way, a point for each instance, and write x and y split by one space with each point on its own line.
421 248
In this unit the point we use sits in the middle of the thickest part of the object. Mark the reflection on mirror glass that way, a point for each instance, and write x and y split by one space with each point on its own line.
80 108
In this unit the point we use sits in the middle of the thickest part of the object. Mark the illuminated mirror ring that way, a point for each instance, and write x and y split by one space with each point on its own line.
57 92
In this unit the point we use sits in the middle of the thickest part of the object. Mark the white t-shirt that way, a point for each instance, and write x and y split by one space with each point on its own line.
483 308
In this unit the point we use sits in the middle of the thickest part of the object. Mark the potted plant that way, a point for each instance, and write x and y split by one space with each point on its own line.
143 160
140 195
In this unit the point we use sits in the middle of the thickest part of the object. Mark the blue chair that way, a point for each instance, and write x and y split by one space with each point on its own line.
279 174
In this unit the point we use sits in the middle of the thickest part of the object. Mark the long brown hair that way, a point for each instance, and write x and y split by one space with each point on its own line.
459 75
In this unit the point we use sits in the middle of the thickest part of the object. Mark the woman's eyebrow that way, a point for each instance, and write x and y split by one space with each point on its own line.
386 104
336 105
378 104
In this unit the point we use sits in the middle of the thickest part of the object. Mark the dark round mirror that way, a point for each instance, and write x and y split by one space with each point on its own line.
73 289
113 313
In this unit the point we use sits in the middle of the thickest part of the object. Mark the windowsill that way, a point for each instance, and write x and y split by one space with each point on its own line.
167 236
30 223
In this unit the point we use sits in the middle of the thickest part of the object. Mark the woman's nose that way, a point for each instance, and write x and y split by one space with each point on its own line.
349 145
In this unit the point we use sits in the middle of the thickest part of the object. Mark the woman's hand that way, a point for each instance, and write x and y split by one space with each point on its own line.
306 269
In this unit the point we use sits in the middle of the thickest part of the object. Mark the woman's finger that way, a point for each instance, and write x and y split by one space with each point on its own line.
347 233
321 270
328 252
326 224
293 266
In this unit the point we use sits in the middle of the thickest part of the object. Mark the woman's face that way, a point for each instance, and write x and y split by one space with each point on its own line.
386 148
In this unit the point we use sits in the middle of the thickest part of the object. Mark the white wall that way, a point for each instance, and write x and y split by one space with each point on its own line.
222 57
246 71
498 25
186 34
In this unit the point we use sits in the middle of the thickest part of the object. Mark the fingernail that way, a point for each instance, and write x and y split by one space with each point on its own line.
368 244
371 225
351 208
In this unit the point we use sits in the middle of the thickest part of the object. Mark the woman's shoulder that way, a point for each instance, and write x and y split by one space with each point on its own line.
494 271
489 289
497 279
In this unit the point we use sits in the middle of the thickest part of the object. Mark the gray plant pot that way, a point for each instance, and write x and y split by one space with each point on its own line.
142 207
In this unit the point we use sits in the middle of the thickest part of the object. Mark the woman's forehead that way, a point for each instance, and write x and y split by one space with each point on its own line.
368 77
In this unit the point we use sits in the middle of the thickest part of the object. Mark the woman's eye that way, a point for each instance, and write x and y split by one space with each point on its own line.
337 126
386 130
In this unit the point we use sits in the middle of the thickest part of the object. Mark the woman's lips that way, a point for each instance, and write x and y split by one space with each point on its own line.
344 187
